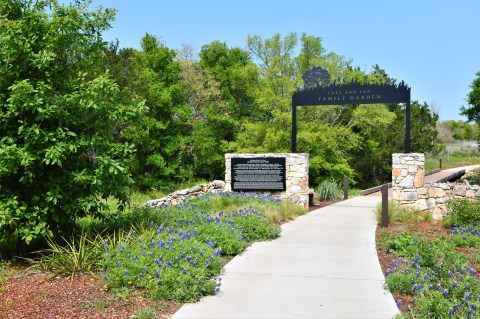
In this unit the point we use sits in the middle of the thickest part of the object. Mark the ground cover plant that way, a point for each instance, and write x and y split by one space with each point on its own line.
147 257
432 268
177 253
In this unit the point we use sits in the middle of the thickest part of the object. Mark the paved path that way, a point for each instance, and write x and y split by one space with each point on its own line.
324 265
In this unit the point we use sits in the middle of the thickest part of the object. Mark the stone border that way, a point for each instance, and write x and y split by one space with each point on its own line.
181 196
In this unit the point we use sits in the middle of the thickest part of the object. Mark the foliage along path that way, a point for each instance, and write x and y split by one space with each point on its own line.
324 265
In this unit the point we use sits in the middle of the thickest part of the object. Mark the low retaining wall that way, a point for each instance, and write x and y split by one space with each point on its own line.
180 196
411 191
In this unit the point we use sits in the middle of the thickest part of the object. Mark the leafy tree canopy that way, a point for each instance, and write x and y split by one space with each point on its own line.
58 114
473 99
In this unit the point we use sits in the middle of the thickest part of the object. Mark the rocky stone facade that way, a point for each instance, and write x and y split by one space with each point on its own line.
411 191
296 175
180 196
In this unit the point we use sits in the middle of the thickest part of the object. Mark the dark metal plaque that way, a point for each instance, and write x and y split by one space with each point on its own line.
258 174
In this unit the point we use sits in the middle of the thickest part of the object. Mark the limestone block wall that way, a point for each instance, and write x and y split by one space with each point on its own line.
296 175
180 196
411 191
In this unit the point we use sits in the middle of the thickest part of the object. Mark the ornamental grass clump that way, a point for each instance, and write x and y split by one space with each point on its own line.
328 190
73 256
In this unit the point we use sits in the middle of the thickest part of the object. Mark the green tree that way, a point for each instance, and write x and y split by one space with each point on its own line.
473 99
236 79
161 137
58 113
210 122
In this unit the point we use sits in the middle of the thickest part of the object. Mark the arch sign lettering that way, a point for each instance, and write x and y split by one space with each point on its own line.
318 91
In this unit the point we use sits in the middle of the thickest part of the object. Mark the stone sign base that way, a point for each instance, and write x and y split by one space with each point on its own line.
296 176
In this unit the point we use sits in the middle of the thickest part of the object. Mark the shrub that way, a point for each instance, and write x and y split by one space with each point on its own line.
462 211
328 190
59 110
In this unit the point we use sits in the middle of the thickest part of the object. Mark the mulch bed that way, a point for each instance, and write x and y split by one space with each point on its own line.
36 295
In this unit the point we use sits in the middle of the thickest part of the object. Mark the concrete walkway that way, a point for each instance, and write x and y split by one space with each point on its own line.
324 265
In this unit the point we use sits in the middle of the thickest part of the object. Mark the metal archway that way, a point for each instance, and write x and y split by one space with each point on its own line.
342 94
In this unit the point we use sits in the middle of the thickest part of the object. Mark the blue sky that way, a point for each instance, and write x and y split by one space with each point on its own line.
431 45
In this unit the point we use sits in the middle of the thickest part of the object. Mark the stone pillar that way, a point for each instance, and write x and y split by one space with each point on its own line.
408 176
296 178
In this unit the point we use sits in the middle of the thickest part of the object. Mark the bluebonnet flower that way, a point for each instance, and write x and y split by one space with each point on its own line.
159 283
105 245
399 304
128 256
472 271
389 272
454 284
467 286
160 229
445 292
122 249
134 259
451 312
417 287
118 264
160 244
126 272
134 233
139 240
105 277
439 287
